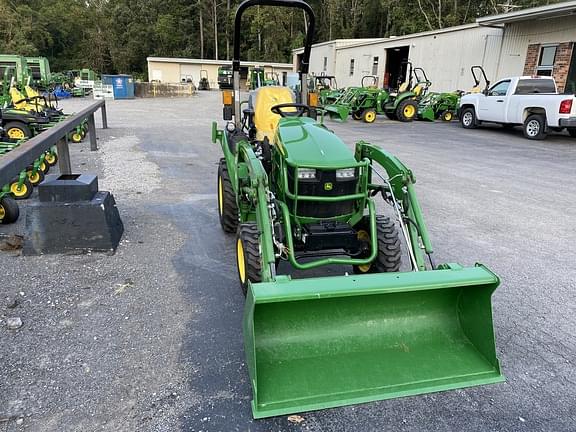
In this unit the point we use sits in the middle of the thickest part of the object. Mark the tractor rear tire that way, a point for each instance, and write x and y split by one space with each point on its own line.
389 255
572 131
534 127
357 115
227 206
17 130
9 211
407 110
369 116
248 255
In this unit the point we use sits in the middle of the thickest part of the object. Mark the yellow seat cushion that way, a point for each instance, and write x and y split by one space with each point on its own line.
403 87
264 119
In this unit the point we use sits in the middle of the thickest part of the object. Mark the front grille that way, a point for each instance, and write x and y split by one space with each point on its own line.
316 187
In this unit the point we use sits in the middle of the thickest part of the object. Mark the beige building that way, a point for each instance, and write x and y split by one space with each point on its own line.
177 70
531 41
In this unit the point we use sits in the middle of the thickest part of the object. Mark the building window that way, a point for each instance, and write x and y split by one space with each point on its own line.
375 66
546 62
325 64
351 67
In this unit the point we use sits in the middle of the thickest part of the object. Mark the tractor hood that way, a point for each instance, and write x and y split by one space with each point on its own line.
303 141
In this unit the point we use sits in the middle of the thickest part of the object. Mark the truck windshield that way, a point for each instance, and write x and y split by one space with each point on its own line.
535 86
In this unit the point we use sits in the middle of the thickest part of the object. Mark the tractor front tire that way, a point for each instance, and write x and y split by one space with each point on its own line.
357 115
35 177
447 116
534 127
9 211
407 110
227 207
17 130
369 116
248 255
51 158
389 247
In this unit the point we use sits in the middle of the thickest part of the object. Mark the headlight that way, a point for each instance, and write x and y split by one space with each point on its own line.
345 173
230 127
306 173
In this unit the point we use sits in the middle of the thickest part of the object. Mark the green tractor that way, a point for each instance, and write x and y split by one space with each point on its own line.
225 77
391 322
403 104
327 89
364 103
443 106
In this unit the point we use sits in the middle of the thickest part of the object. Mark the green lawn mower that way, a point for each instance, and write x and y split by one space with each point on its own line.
294 193
204 84
327 89
364 103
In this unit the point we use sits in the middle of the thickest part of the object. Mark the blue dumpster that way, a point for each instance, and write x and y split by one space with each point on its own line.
122 85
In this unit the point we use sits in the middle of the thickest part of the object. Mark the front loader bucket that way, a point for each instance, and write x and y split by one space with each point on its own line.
326 342
338 112
426 114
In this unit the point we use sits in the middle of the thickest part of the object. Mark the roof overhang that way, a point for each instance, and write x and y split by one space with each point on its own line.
557 10
215 62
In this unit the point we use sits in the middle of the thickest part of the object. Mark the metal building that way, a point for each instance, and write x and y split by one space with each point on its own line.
531 41
177 70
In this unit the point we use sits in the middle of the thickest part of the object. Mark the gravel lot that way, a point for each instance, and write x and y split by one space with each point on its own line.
149 339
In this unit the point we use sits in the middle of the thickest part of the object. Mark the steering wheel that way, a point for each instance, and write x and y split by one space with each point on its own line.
301 109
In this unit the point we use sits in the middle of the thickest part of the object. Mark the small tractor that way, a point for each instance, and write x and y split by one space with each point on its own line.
225 77
403 104
389 321
364 103
442 106
204 84
327 89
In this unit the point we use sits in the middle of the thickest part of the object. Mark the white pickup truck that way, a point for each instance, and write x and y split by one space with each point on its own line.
532 102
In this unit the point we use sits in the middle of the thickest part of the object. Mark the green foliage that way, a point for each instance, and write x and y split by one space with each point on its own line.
112 36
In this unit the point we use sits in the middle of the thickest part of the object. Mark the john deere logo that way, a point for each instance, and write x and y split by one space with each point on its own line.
328 186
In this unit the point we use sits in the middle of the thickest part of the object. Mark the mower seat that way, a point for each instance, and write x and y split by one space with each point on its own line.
21 102
264 98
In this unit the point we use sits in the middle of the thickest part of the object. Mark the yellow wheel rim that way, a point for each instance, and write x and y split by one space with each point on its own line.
220 196
409 111
50 158
76 137
16 133
364 236
240 260
43 166
448 116
370 116
18 190
34 177
2 212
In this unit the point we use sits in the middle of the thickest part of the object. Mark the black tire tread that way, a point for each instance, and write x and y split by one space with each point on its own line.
229 217
249 234
11 209
389 256
400 110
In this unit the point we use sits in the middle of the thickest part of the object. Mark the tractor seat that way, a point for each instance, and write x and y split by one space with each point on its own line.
418 90
403 87
475 90
264 98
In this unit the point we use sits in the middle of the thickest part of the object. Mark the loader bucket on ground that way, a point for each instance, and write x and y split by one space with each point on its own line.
427 114
333 341
337 112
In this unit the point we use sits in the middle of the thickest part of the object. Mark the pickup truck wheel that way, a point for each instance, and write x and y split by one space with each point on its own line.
535 127
468 118
572 132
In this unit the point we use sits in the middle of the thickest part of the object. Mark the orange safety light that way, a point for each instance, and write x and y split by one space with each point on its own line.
313 99
228 97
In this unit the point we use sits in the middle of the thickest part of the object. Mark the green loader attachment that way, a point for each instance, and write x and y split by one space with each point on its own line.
293 192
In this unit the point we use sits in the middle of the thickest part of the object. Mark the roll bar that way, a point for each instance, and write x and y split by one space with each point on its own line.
473 69
305 62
